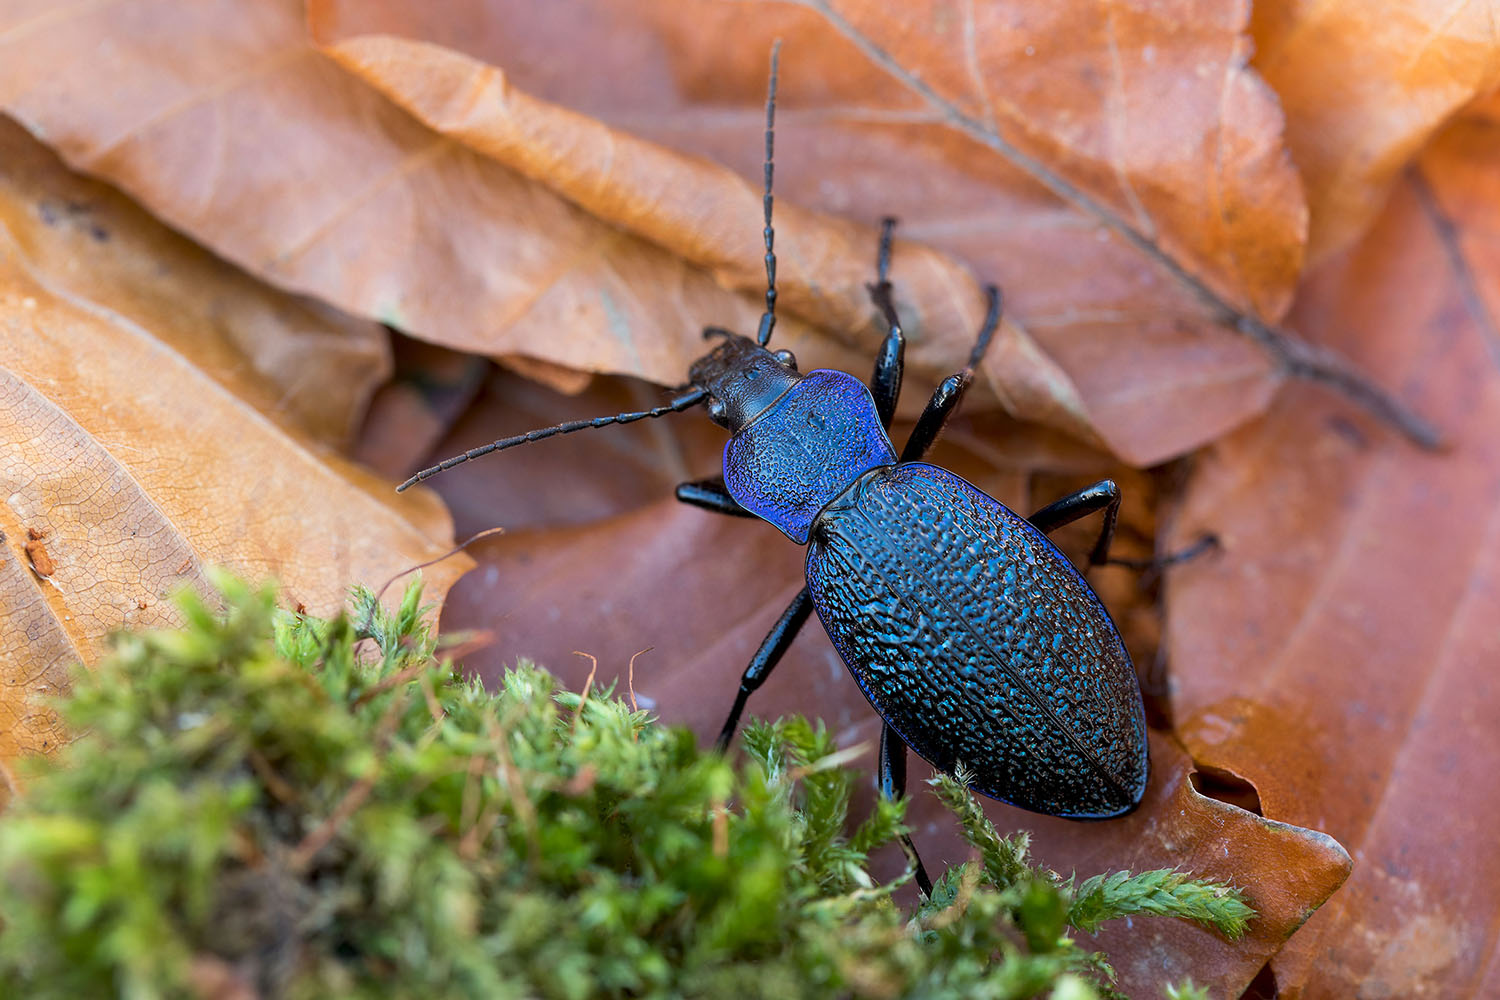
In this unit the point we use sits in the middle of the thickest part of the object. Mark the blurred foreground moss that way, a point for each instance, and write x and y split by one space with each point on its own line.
266 805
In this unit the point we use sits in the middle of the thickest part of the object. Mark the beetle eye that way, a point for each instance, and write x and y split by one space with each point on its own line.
716 409
786 358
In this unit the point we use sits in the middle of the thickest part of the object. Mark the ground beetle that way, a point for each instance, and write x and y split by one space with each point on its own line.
974 638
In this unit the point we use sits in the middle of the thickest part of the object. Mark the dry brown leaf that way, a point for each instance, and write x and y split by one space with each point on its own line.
221 118
308 367
1150 116
1341 655
136 446
864 137
430 388
1365 84
1121 173
708 215
321 185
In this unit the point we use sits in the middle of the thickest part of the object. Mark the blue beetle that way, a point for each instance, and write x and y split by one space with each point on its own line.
971 634
974 638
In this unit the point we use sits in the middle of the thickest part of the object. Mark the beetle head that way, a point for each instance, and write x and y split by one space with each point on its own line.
742 378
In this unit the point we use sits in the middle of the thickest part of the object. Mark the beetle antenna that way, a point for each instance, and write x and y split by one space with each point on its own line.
686 401
768 318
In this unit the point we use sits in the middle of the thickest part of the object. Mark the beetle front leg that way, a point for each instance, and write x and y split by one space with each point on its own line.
890 363
711 494
1105 495
772 648
891 783
946 397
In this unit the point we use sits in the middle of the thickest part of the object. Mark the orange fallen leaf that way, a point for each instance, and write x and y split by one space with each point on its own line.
857 136
1121 171
315 182
1365 84
356 202
140 444
308 367
1341 655
709 216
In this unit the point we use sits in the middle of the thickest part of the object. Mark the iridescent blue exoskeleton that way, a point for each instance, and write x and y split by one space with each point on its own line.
971 635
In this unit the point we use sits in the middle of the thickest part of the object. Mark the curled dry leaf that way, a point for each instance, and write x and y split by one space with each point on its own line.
224 120
968 131
1365 83
708 215
1341 655
312 179
308 367
138 444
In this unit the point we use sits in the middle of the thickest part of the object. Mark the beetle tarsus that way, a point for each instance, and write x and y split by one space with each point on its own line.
1153 567
947 396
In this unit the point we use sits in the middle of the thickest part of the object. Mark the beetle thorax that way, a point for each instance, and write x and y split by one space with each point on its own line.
806 448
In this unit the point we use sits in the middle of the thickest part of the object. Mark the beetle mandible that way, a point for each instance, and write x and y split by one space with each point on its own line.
971 634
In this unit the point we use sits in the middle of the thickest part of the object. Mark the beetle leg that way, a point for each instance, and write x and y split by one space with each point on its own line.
1158 563
891 782
885 383
771 650
1105 495
947 395
710 494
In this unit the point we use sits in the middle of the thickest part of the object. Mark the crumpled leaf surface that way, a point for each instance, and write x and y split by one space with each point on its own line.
1364 84
224 120
1342 655
859 109
141 443
315 182
308 367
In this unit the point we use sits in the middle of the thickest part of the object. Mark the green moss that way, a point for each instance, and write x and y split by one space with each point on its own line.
302 808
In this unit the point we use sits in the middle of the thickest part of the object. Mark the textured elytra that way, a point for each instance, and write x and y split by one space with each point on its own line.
977 640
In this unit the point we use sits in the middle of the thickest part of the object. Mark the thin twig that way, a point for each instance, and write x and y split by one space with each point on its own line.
418 667
1463 272
583 699
525 810
275 783
468 811
464 643
630 677
429 694
437 559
